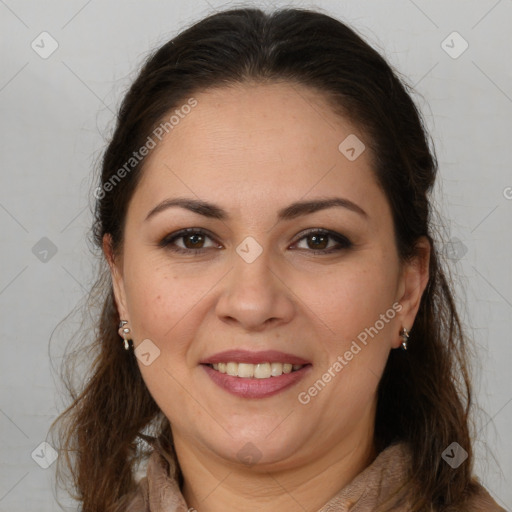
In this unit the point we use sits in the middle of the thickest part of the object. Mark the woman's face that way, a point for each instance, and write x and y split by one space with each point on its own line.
266 279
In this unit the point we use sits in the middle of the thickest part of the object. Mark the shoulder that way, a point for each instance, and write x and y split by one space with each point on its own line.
397 462
480 500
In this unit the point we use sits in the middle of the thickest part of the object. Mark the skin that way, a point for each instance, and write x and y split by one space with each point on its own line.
252 150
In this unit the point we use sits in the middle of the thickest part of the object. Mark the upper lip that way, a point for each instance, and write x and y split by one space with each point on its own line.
246 356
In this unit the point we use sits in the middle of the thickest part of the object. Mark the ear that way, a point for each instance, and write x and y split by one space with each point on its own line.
116 272
413 281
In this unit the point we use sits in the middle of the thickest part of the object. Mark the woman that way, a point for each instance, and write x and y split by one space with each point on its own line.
277 332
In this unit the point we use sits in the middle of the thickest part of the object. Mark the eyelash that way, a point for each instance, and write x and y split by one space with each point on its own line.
168 242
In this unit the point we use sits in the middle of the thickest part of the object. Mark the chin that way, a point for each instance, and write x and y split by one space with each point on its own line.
259 450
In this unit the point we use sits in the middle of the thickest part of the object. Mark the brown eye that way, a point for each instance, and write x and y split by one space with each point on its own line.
319 241
193 241
188 241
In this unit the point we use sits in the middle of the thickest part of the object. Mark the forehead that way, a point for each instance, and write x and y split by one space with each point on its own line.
265 120
258 144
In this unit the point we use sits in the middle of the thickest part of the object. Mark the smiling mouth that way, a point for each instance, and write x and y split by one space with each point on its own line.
255 371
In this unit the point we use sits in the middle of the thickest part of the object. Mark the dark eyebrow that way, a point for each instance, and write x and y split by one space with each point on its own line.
290 212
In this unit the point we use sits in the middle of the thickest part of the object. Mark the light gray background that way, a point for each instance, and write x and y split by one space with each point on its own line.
56 113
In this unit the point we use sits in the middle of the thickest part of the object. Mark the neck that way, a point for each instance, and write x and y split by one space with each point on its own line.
212 485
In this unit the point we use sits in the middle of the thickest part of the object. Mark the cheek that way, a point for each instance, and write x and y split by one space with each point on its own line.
158 299
354 298
359 312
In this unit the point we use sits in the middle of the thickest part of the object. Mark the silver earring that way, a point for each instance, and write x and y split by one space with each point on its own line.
124 332
404 334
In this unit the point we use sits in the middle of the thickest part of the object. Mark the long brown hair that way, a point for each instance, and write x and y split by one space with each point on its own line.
424 396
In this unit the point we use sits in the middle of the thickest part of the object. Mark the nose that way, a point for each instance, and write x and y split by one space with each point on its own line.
254 296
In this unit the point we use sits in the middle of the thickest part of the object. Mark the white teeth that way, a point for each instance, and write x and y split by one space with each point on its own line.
232 369
261 371
276 369
257 371
245 370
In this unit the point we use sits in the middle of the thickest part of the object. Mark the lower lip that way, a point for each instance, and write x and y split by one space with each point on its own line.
255 388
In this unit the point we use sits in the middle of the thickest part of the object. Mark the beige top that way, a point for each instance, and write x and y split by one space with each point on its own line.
382 483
